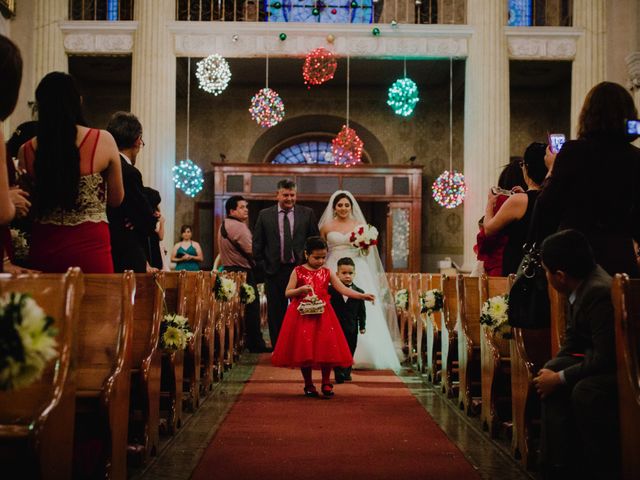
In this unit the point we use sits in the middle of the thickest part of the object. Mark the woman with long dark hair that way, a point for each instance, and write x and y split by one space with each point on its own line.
594 183
76 171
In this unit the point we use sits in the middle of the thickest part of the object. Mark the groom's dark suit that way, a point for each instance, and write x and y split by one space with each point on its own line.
267 255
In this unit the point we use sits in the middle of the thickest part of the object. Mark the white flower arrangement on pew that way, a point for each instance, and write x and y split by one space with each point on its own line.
224 288
431 301
247 294
27 341
175 332
495 315
363 237
402 299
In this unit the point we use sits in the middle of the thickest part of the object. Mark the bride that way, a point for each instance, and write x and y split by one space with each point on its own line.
380 347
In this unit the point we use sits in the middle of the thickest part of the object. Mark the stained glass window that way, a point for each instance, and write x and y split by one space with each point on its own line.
520 13
112 10
311 152
320 11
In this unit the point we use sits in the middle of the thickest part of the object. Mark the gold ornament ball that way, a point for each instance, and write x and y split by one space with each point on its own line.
330 38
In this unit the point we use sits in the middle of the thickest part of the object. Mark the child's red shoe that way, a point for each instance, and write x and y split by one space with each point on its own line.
310 391
327 389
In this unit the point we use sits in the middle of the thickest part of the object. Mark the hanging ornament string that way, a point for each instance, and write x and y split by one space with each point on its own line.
346 148
187 175
449 189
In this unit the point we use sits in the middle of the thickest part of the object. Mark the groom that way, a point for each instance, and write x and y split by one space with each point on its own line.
278 244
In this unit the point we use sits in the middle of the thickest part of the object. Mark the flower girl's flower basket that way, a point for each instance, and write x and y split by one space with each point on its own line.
311 305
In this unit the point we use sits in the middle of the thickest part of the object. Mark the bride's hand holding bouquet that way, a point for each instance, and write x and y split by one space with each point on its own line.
364 237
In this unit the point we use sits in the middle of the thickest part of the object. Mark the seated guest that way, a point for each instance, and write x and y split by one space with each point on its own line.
490 248
187 254
514 217
133 221
578 387
76 171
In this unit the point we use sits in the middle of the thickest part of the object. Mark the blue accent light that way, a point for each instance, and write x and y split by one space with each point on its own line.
112 10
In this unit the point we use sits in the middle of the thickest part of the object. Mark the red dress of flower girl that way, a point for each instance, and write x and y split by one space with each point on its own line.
311 340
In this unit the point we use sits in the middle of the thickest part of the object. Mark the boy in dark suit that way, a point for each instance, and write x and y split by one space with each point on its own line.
350 312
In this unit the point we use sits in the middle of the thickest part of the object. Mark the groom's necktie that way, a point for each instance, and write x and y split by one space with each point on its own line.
287 252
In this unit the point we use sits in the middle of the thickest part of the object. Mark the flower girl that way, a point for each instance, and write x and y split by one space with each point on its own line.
311 336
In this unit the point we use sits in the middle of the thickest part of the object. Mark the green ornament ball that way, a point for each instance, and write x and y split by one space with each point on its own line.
376 31
277 5
354 4
315 11
283 36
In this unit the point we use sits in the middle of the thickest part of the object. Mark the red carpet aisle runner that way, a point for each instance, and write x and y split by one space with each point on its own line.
373 428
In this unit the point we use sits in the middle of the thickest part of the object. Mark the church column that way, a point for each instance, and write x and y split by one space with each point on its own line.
153 100
48 46
486 112
633 68
589 65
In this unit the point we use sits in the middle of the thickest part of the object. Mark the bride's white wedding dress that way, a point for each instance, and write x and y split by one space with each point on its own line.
375 349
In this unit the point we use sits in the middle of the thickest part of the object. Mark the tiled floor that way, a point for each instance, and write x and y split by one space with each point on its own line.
180 454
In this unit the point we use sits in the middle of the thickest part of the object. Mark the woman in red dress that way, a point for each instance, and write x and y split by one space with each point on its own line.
76 171
314 341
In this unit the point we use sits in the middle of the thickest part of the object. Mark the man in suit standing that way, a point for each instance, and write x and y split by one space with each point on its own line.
578 387
133 221
278 245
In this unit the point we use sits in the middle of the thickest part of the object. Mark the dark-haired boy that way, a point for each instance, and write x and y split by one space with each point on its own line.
350 312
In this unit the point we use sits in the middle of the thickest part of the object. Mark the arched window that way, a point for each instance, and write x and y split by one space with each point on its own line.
311 152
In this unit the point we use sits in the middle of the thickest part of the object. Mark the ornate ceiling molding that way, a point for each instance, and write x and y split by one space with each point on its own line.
98 38
247 39
542 43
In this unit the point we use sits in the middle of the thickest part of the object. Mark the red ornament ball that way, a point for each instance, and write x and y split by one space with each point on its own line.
319 66
334 11
347 148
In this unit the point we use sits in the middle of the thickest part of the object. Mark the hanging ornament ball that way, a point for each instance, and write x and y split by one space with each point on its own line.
234 38
331 38
449 189
319 66
315 11
394 23
283 36
276 4
188 177
375 31
214 74
346 148
403 96
334 11
354 4
267 108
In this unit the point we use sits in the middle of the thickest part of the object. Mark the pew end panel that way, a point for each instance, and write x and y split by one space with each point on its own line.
449 335
433 337
36 422
468 332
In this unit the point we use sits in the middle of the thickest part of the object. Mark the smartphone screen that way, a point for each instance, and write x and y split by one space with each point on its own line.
633 127
556 140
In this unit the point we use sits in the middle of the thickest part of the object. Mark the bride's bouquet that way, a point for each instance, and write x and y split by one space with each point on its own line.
363 237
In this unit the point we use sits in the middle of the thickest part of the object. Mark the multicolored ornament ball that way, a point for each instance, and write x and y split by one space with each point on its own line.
346 148
403 96
267 108
188 177
319 66
449 189
213 73
282 36
376 32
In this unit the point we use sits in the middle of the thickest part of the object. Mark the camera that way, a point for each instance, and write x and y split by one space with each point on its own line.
556 140
633 127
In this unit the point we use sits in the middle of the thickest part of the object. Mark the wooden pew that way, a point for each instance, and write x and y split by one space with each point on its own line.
626 304
146 358
449 337
413 282
105 337
433 337
220 331
495 354
530 349
468 332
193 289
37 422
422 285
171 385
208 336
237 315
